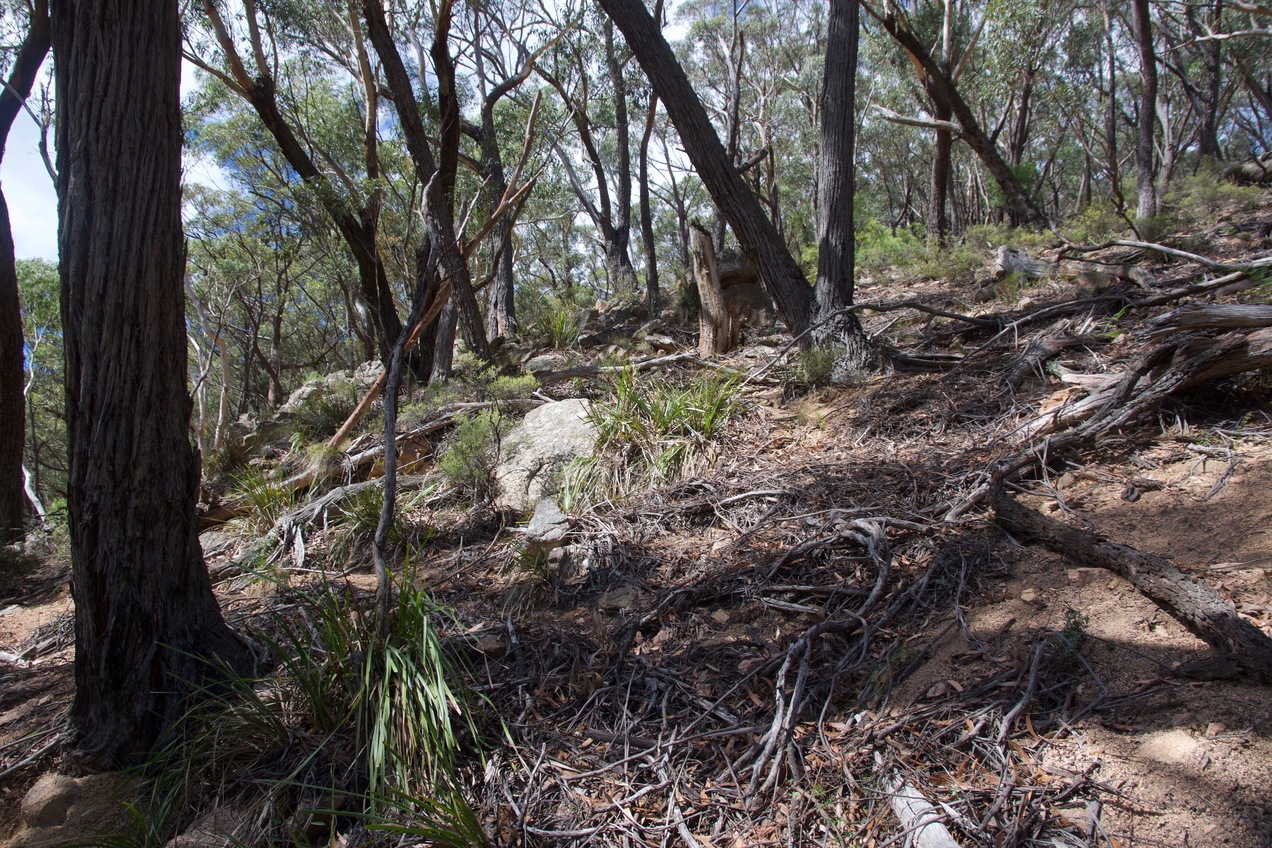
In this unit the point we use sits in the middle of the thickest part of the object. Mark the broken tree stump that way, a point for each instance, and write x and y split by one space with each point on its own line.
714 331
1190 602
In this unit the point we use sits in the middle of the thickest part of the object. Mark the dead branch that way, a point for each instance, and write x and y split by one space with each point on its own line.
1191 602
1213 264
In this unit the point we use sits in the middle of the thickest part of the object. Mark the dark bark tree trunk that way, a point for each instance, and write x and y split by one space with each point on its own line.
756 234
35 46
12 399
647 215
1113 164
835 234
1146 204
146 621
938 222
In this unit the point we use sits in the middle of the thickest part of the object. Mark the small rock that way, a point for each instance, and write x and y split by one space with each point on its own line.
547 527
492 646
1084 576
1215 728
1029 595
720 617
545 363
663 343
48 801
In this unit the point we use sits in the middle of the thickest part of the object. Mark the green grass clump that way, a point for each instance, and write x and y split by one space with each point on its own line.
264 499
355 722
467 460
652 431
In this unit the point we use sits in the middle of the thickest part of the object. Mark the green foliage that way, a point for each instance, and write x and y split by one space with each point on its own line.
1095 224
906 255
351 723
687 303
264 499
554 318
323 412
468 458
816 364
658 429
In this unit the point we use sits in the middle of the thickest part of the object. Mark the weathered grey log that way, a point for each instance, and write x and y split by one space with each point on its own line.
1009 261
1191 602
1223 316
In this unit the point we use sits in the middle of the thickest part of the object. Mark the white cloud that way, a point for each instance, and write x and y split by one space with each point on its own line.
29 192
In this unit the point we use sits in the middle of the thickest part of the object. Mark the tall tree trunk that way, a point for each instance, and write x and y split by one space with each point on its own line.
938 222
756 234
619 239
647 215
35 46
12 399
146 621
835 235
437 174
1110 113
1146 204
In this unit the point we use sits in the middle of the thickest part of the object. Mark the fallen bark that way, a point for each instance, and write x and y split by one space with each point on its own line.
1191 602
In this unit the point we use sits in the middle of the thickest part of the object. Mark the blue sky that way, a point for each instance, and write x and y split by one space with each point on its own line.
29 191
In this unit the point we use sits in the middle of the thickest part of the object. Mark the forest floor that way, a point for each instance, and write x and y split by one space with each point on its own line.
762 653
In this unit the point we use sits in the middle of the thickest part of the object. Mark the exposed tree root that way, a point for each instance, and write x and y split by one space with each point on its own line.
1191 602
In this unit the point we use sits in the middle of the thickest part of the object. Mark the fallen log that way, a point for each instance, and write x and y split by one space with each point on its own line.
1216 316
1177 365
1190 602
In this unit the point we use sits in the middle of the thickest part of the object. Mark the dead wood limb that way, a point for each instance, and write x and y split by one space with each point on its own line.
1213 264
1220 316
1191 602
1178 365
1042 349
439 300
300 517
1174 366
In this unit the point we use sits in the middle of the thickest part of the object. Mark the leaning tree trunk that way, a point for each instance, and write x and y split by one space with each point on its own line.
757 236
35 46
146 621
1146 205
647 215
835 236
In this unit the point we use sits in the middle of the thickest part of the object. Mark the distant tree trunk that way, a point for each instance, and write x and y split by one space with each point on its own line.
759 239
146 621
1113 164
12 399
938 222
35 46
835 235
1146 205
647 215
715 332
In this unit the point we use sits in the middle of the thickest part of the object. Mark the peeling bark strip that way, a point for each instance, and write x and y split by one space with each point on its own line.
146 621
1190 602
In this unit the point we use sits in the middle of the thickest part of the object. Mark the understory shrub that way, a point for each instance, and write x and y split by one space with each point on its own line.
354 726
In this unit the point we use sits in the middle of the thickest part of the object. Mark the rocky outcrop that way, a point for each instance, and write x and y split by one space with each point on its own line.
536 451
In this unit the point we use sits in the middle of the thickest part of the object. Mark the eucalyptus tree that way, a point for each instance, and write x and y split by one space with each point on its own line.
352 198
756 235
148 632
587 69
1146 173
23 67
